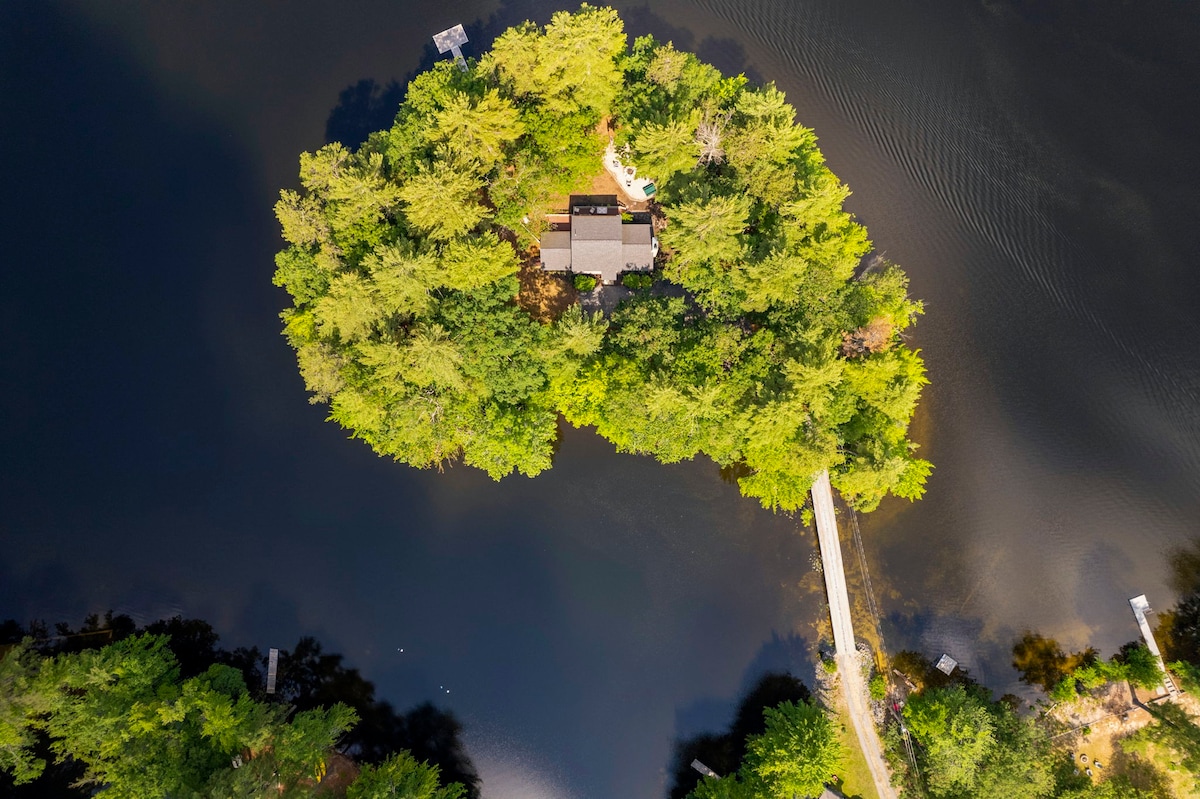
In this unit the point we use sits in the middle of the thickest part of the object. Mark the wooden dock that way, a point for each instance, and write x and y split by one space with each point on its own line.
272 670
452 39
1141 606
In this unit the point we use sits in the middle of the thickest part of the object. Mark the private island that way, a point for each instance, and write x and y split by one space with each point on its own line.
570 226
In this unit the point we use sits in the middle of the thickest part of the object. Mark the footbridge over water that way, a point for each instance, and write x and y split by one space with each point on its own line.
849 666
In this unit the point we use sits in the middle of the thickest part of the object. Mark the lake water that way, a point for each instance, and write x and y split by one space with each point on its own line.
1032 165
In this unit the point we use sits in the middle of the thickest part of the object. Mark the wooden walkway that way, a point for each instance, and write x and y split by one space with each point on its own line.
272 669
1141 606
849 666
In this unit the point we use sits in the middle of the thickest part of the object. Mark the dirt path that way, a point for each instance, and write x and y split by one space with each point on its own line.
849 666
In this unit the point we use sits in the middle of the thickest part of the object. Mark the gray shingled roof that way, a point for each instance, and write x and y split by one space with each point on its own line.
556 250
636 248
598 243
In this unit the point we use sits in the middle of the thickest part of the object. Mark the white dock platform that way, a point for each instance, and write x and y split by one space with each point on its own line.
1141 606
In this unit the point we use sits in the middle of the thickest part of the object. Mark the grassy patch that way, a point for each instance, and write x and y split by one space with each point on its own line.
857 782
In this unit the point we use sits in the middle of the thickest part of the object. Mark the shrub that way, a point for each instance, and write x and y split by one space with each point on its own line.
1095 675
635 281
1140 666
830 665
877 687
584 282
1187 675
1065 690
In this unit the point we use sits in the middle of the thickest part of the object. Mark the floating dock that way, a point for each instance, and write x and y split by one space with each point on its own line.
452 40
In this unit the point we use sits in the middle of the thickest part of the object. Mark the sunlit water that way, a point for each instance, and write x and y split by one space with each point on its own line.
1034 173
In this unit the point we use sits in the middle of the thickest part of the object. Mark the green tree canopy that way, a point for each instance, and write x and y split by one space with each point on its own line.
571 65
402 777
141 731
797 754
956 732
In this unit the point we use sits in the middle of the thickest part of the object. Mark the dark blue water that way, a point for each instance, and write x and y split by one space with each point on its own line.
1032 165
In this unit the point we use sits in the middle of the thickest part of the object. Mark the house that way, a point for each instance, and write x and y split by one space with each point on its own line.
593 239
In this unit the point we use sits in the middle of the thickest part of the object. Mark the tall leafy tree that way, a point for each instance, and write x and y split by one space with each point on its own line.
20 703
798 752
956 733
441 201
476 132
663 150
401 776
1178 731
141 730
571 65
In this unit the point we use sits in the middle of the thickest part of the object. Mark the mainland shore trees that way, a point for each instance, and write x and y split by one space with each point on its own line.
110 709
781 358
139 730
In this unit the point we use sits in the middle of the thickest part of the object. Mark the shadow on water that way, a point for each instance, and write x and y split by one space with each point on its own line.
1184 563
926 636
729 56
780 671
723 752
1042 662
363 109
1178 629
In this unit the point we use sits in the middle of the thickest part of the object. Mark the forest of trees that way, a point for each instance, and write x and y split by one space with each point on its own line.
968 745
781 357
971 747
165 712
